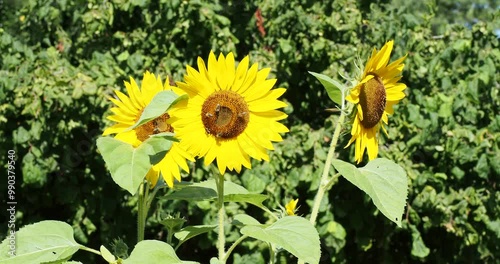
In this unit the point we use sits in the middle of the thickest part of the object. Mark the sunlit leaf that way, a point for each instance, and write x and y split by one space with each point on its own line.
106 254
128 165
158 106
154 251
251 198
45 241
383 180
244 219
191 231
205 190
334 89
293 233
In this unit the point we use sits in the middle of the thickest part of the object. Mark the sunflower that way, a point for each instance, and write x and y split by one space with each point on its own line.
230 115
128 110
374 96
291 207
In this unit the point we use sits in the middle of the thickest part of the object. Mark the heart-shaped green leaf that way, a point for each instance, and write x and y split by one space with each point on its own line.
191 231
154 251
383 180
293 233
45 241
128 165
204 190
334 89
160 104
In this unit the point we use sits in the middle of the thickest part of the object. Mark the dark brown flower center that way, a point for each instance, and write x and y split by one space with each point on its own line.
225 114
372 99
155 126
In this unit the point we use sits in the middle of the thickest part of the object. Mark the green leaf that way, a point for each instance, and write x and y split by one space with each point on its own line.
158 106
294 234
191 231
106 254
128 165
418 247
153 251
214 260
205 190
334 89
45 241
251 198
173 224
123 56
159 145
383 180
244 219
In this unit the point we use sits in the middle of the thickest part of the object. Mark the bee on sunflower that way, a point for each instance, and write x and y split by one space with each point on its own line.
231 113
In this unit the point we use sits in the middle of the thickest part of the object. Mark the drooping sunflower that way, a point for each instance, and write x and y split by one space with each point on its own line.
128 109
374 96
230 115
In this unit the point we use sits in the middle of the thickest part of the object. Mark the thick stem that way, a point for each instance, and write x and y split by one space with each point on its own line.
91 250
325 182
233 246
272 254
221 215
140 209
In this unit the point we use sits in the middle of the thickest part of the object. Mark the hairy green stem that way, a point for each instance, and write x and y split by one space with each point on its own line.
221 215
233 246
272 254
91 250
326 182
140 204
151 198
142 211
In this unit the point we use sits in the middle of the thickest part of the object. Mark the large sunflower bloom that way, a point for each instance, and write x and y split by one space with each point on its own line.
374 96
230 114
128 110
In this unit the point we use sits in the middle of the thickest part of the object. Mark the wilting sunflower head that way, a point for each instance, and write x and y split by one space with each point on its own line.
128 110
231 113
374 95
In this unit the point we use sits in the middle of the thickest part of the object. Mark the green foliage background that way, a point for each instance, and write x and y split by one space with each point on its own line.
61 59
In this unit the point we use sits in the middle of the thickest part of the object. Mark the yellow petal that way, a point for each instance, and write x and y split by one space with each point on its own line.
241 72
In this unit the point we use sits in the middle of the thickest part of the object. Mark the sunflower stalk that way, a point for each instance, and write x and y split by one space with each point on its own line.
90 250
326 181
233 246
221 215
143 208
141 204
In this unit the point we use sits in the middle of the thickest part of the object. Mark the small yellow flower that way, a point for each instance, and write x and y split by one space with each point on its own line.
230 115
291 207
375 94
128 110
